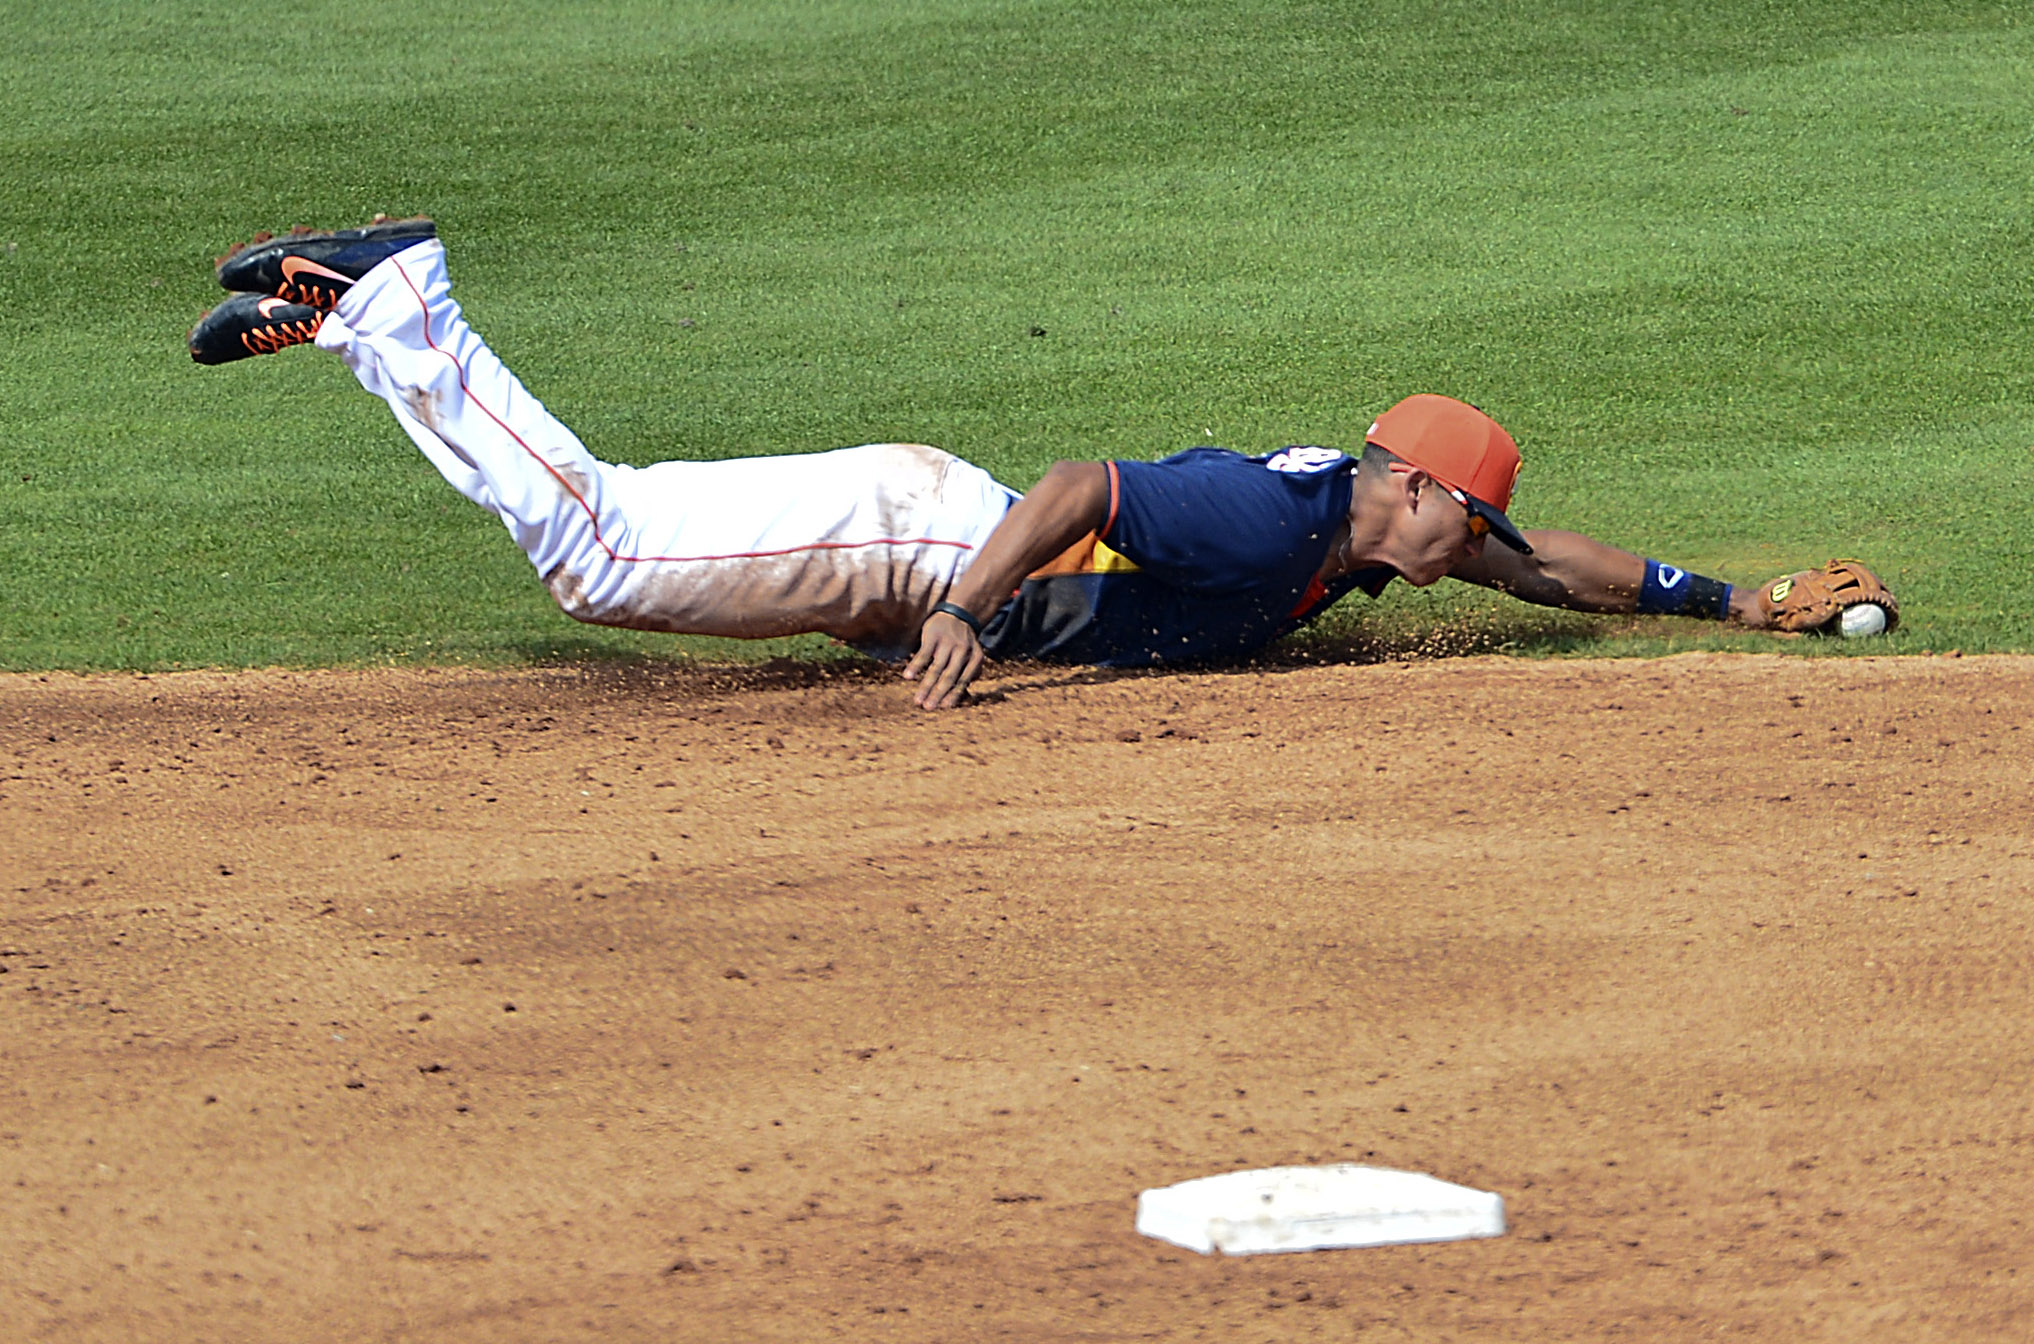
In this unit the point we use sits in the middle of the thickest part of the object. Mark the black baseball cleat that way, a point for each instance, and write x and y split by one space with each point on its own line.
252 324
318 268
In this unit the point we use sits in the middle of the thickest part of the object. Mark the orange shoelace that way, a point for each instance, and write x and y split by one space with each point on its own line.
311 296
281 335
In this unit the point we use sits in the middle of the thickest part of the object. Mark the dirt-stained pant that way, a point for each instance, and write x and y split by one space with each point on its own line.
858 543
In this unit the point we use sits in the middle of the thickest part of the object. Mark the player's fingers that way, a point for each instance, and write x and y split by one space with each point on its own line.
963 677
927 680
967 676
947 679
952 680
933 637
942 689
932 675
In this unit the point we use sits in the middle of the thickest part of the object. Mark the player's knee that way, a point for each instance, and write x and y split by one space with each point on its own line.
568 590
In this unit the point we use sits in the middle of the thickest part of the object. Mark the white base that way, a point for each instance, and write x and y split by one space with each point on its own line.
1315 1208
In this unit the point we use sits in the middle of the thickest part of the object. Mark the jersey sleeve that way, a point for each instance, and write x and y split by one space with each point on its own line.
1220 524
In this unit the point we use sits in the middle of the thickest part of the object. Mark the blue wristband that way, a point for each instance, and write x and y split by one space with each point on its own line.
1668 591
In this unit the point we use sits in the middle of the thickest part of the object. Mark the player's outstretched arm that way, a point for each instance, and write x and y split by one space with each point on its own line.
1578 573
1070 502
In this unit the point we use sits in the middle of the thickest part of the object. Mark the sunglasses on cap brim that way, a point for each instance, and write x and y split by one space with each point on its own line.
1485 521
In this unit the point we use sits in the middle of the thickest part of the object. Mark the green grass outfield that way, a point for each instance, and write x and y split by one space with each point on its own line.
1750 282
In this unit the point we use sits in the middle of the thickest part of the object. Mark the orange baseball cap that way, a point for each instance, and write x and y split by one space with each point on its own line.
1462 448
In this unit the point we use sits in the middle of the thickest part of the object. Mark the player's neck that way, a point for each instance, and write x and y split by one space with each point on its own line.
1363 540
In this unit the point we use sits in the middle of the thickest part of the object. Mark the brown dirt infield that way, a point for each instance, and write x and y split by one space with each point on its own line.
654 1005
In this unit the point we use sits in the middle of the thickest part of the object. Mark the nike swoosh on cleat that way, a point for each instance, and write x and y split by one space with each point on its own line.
266 311
292 267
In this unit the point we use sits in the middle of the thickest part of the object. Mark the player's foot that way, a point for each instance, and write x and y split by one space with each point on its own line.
317 268
252 324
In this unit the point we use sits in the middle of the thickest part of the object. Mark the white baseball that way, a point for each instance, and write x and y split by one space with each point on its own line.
1866 618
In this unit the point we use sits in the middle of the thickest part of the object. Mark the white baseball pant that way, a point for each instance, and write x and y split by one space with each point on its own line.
858 543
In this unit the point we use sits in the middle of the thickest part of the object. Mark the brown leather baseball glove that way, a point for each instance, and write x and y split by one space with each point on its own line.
1814 598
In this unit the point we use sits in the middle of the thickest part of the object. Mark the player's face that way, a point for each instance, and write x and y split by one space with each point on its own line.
1440 534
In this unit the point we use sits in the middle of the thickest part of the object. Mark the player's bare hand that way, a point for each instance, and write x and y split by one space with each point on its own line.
1746 609
948 658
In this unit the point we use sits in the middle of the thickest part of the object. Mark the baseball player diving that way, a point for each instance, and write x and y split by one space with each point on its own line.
912 555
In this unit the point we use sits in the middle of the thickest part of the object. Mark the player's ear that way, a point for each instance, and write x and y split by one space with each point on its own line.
1412 480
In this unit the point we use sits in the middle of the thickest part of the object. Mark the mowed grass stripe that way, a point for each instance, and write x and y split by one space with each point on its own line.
1747 284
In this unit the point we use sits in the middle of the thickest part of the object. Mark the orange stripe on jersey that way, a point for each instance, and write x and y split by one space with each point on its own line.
1311 598
1089 555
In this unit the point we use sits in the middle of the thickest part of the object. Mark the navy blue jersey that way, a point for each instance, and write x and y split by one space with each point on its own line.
1206 554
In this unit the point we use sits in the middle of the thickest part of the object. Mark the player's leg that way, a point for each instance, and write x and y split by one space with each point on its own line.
402 333
289 290
858 543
